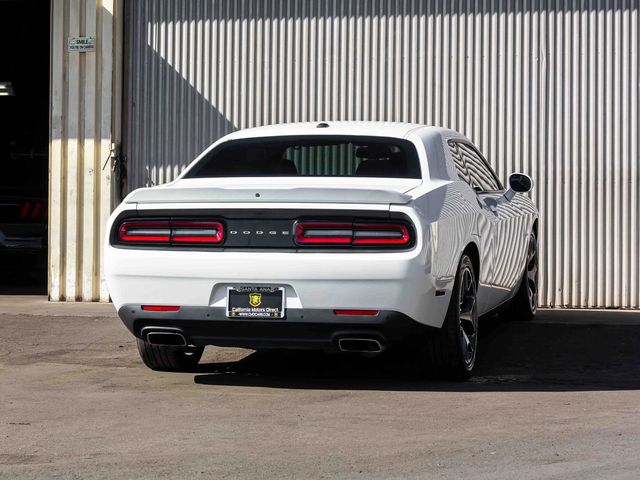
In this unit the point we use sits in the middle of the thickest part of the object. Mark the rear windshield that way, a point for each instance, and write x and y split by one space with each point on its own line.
311 157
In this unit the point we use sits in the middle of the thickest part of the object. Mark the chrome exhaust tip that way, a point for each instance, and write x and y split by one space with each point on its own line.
360 345
165 337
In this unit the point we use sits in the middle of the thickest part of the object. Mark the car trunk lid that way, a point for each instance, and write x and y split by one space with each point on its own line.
374 191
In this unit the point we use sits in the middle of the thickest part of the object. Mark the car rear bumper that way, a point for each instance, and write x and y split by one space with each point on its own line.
398 282
313 329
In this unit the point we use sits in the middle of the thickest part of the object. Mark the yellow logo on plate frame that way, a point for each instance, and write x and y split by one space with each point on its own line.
255 299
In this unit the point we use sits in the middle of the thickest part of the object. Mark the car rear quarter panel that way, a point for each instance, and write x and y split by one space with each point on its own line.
452 223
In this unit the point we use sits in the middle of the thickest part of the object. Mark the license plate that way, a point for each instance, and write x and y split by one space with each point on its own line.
255 302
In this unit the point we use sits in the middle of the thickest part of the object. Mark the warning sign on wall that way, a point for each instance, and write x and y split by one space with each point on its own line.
82 44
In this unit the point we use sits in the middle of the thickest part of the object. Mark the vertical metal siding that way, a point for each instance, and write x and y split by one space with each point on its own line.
545 87
80 190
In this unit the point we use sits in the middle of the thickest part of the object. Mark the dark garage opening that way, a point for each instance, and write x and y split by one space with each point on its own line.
24 145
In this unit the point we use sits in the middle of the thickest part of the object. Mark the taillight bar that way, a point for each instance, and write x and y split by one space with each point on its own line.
197 232
380 234
30 210
168 232
145 232
356 234
324 233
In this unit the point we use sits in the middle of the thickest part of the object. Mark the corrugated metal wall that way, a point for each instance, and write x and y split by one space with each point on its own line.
548 88
80 185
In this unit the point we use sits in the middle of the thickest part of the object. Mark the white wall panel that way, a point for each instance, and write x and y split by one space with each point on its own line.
81 133
548 88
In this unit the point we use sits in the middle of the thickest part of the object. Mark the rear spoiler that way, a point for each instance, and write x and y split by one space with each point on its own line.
266 195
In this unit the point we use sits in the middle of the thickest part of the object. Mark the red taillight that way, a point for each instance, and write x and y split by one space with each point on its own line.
37 210
160 308
145 231
30 210
311 233
380 234
356 312
358 234
197 232
24 210
181 232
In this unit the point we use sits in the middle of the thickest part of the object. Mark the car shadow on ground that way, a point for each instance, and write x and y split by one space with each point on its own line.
559 351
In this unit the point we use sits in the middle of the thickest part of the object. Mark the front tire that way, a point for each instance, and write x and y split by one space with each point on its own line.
169 359
451 352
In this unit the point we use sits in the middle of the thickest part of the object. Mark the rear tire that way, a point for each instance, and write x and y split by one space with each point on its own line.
451 352
169 359
525 303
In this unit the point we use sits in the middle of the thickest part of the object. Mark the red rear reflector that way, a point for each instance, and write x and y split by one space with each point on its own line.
145 232
356 312
160 308
441 293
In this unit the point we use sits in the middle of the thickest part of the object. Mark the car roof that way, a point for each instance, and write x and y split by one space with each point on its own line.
378 129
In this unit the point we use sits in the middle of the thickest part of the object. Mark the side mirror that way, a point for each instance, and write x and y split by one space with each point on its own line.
518 183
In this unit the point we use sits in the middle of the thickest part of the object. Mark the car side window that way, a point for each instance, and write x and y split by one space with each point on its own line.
477 172
459 162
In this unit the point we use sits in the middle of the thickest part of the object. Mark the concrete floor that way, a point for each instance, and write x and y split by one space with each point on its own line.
555 398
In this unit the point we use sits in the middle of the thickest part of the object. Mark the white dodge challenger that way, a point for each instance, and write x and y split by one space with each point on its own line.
343 237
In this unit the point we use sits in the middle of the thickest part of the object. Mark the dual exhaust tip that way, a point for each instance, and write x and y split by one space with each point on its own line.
169 337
